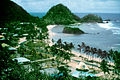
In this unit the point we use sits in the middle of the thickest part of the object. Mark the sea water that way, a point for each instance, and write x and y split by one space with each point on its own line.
105 36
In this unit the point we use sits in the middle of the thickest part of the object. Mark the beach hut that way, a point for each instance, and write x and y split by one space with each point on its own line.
21 60
82 65
12 49
2 37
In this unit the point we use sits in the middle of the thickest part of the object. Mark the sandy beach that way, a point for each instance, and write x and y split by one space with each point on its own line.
51 34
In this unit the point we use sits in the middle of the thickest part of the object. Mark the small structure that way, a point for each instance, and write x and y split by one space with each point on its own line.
2 37
15 35
25 35
82 65
12 49
21 60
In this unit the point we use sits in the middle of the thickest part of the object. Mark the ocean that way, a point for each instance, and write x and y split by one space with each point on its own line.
105 36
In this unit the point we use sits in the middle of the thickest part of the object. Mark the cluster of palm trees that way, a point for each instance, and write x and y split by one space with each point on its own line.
62 51
93 51
66 46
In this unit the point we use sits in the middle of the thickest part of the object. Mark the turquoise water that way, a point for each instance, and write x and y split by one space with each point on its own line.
81 73
106 39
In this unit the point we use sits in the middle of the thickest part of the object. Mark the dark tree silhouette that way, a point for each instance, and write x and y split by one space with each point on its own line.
104 66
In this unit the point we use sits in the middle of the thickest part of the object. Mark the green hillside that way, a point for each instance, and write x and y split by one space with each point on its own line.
60 14
92 18
10 11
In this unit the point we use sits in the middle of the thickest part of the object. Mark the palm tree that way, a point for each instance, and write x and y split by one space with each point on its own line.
99 52
66 46
71 45
116 59
83 46
111 52
64 70
104 54
79 48
59 41
104 66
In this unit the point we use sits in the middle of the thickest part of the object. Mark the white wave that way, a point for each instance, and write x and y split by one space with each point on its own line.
117 44
116 31
107 26
92 28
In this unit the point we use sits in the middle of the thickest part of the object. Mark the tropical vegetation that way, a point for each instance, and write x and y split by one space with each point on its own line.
60 14
71 30
22 35
92 18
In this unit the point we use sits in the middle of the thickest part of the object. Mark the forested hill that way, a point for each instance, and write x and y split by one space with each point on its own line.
10 11
60 14
92 18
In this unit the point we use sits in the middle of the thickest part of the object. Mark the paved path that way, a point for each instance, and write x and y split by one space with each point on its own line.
43 59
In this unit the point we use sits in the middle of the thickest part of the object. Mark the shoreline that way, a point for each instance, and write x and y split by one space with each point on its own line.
77 54
50 33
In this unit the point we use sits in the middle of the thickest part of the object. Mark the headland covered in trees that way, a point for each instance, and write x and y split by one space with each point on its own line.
25 53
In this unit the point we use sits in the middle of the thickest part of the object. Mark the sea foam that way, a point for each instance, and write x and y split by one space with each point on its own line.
109 26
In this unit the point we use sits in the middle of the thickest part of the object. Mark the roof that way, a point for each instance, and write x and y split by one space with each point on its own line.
21 59
12 49
1 36
15 35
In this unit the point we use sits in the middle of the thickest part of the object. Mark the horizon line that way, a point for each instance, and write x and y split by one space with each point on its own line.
80 12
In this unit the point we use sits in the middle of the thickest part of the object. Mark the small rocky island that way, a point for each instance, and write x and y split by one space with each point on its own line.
71 30
91 18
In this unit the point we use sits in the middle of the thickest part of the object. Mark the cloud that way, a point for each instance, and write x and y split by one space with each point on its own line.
74 5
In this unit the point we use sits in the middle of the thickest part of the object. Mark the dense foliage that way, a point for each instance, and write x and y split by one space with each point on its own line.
60 14
35 30
91 18
71 30
10 11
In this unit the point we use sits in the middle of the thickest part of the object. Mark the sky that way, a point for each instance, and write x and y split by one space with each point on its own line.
76 6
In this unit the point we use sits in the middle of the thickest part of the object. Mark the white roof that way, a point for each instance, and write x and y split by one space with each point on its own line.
12 48
15 35
22 59
25 34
